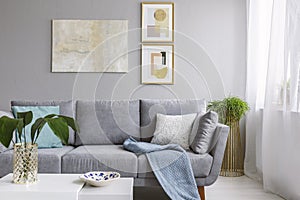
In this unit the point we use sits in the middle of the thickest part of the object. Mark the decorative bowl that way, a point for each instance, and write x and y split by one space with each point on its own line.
99 178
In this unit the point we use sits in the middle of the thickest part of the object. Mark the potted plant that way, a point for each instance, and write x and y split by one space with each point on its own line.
25 166
231 110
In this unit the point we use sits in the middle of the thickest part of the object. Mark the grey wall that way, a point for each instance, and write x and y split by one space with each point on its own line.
209 46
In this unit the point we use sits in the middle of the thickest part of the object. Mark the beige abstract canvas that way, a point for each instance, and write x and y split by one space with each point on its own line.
89 45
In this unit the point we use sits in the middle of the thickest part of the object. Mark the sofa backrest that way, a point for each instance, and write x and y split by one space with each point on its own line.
113 121
66 108
107 121
150 107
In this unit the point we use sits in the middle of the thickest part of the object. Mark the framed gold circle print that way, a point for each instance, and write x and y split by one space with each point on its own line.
157 22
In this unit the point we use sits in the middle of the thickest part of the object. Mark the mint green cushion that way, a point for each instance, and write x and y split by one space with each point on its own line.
46 139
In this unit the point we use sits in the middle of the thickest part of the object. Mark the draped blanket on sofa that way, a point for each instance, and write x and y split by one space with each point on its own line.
171 167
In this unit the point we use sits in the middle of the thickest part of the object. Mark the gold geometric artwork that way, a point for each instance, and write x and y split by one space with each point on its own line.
157 64
157 22
162 21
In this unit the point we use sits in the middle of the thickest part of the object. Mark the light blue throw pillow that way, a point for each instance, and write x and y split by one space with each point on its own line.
46 139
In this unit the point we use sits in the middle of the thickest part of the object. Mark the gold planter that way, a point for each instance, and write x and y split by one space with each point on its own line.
233 161
25 163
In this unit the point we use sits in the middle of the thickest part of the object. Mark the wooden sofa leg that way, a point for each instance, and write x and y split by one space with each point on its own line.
201 191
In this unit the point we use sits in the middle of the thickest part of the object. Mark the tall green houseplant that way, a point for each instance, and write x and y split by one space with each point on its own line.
25 149
231 110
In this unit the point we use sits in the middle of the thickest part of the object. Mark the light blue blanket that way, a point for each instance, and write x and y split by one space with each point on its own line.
171 167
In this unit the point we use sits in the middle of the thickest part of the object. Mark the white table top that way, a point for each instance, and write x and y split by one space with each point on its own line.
65 187
121 189
48 187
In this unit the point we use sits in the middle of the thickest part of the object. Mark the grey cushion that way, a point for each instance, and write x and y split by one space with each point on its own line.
195 128
107 122
149 109
206 128
66 108
100 158
201 165
49 160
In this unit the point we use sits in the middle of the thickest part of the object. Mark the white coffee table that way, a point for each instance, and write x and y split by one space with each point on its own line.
65 187
121 189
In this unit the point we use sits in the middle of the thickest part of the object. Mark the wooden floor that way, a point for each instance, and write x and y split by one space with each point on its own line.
240 188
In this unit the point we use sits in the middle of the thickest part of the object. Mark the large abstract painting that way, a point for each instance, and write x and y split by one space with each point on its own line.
157 22
89 46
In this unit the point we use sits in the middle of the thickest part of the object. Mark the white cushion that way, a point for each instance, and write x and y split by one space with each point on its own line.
173 129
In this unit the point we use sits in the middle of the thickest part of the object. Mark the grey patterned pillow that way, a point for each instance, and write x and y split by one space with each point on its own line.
173 129
206 128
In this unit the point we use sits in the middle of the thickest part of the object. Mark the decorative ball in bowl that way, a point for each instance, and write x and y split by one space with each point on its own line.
100 178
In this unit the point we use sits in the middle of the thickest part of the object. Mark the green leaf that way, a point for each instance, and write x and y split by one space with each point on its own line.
38 125
230 109
71 122
20 128
59 128
50 116
26 116
7 128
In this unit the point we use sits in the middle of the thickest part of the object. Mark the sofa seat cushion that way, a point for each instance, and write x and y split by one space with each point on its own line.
49 160
100 158
201 165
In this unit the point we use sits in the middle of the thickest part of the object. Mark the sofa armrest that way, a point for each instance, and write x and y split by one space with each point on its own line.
217 152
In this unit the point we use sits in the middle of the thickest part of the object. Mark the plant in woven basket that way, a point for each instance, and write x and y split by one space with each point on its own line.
230 111
25 149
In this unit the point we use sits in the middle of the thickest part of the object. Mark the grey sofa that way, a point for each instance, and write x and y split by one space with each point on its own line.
104 127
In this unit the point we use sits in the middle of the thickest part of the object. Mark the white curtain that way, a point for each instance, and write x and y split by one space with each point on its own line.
273 92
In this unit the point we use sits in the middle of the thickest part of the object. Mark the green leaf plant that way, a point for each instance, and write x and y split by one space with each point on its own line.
230 109
59 125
